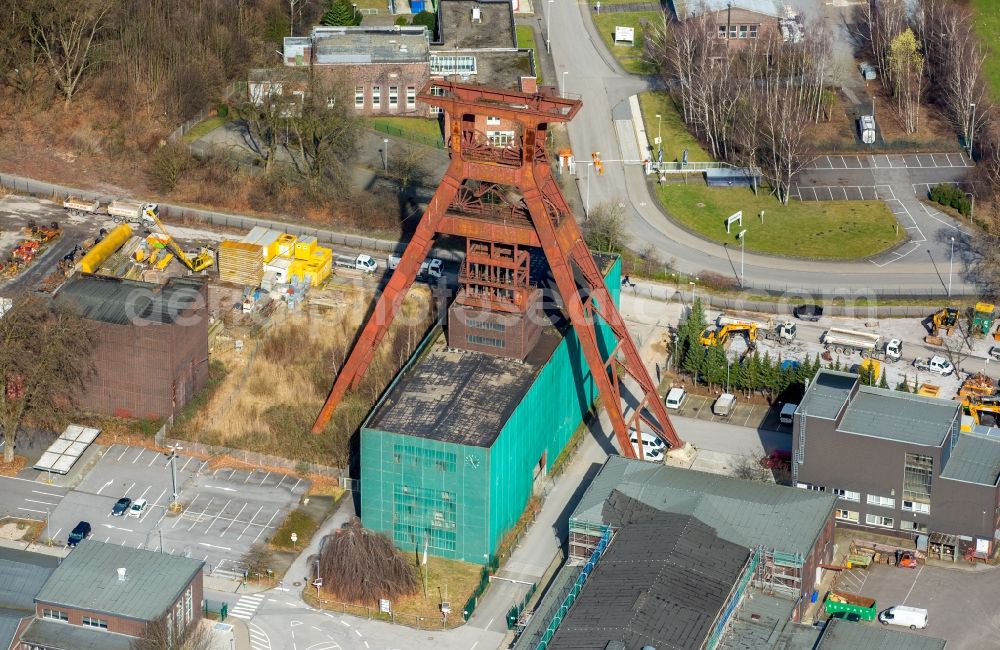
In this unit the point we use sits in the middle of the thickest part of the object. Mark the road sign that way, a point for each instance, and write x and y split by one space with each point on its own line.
625 35
384 606
736 218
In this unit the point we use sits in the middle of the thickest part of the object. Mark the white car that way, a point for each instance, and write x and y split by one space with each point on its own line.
675 398
911 617
649 441
135 511
652 454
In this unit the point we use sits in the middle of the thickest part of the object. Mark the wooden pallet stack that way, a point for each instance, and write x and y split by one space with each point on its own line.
241 263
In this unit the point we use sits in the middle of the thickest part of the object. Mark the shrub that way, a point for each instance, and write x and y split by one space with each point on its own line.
427 19
222 110
401 20
168 165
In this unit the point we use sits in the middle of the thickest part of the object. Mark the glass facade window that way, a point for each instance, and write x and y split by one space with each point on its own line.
500 138
885 502
916 506
445 65
847 495
426 458
753 31
95 622
486 325
411 96
912 526
424 515
436 91
55 615
878 520
918 472
376 96
393 96
359 97
484 340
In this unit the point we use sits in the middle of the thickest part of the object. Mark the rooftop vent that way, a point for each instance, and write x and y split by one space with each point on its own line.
402 48
121 574
477 15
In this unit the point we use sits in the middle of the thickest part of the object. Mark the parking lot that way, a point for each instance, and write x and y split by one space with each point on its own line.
960 604
744 414
223 511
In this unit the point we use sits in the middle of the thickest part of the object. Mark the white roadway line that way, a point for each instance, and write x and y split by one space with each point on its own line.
266 526
49 494
184 466
264 479
30 510
124 451
249 524
100 489
247 479
153 460
44 503
930 214
127 530
224 548
296 485
233 519
212 523
141 452
143 495
357 631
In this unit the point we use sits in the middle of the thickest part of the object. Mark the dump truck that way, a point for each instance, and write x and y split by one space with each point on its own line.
838 601
869 344
360 262
77 206
769 328
133 212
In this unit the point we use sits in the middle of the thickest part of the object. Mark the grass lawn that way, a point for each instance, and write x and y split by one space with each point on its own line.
525 39
205 127
630 57
987 21
419 129
676 137
831 230
299 522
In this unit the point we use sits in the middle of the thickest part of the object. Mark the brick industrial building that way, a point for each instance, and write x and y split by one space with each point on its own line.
739 23
898 463
151 351
388 65
104 595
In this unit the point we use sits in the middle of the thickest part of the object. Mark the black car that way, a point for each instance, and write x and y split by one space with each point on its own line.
808 312
79 533
121 506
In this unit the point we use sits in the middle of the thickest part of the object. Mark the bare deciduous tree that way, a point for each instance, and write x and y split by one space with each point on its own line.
44 358
907 64
605 229
65 34
881 21
325 130
167 634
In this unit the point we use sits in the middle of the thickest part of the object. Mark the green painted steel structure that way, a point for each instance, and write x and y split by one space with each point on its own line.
460 500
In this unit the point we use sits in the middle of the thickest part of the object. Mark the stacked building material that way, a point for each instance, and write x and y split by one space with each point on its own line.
241 263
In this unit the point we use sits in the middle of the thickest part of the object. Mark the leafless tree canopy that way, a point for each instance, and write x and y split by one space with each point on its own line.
165 634
752 106
361 566
44 358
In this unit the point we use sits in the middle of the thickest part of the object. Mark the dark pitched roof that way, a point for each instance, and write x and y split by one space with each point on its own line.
666 594
88 579
975 459
845 635
23 575
125 302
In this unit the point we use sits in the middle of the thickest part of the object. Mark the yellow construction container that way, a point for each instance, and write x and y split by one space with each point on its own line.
305 247
162 264
105 248
286 245
140 253
152 256
156 241
322 254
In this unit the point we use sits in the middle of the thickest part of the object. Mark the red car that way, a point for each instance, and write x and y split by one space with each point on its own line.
778 459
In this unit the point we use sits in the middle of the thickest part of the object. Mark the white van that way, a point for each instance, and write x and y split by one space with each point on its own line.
724 404
675 398
649 441
787 415
652 454
911 617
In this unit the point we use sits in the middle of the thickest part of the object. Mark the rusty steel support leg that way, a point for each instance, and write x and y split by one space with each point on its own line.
392 296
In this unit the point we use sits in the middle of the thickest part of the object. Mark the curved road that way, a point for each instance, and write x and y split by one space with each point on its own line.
594 76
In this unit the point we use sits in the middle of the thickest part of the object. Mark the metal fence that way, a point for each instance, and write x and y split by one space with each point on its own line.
258 459
514 613
484 582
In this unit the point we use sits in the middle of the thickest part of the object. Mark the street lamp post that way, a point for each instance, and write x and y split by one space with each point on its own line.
586 202
692 293
563 90
741 237
972 206
951 263
548 27
173 477
385 153
659 132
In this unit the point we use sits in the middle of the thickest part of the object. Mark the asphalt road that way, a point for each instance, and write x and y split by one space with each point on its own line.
585 69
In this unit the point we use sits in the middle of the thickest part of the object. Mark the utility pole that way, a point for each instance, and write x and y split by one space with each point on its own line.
173 482
741 236
951 263
548 28
385 153
972 129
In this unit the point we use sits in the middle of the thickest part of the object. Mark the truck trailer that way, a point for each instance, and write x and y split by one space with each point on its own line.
769 328
869 344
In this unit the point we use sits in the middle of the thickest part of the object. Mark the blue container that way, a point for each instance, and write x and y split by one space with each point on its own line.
815 597
416 6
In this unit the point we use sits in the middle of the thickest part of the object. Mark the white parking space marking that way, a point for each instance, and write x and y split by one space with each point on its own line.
141 452
124 451
264 479
44 503
265 526
226 529
41 512
152 460
184 466
250 523
105 485
49 494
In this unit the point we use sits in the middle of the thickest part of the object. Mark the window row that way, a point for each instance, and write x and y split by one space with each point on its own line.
54 614
872 499
376 95
485 325
95 622
484 340
738 31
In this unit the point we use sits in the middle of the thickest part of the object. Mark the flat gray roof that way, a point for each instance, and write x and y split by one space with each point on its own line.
763 619
666 596
332 45
126 302
503 68
750 514
63 636
903 417
88 579
767 7
827 394
495 28
974 459
23 573
845 635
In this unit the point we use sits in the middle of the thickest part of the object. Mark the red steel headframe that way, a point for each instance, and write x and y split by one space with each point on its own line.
545 221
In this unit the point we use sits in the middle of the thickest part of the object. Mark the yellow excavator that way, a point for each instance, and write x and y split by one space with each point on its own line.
985 411
945 319
720 335
198 262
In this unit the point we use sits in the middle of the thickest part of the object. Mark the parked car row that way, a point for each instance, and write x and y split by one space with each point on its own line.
124 507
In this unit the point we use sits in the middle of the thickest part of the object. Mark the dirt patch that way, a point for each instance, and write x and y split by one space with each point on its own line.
840 133
20 530
12 468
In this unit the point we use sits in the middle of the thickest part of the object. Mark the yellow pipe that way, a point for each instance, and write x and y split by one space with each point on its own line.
105 249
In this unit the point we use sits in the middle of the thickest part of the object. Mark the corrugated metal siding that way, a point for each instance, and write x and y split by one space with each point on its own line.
542 424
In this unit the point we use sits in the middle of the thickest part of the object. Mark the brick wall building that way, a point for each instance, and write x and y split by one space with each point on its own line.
151 350
103 595
737 23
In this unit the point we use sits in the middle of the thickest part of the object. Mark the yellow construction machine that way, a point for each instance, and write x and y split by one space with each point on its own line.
197 262
720 335
945 319
985 410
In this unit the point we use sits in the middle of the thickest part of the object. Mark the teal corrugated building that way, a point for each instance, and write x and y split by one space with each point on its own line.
452 453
